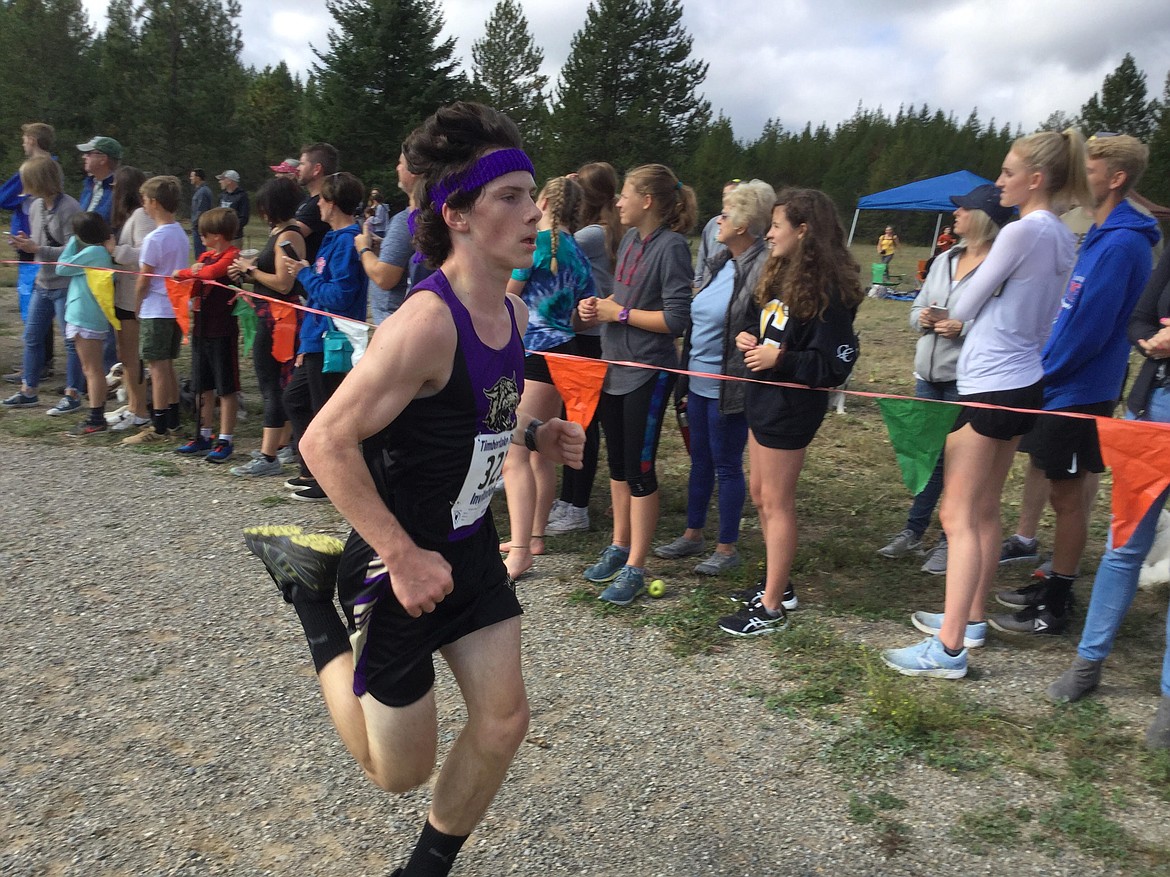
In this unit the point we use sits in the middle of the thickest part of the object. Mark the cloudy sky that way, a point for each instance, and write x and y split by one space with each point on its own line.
815 60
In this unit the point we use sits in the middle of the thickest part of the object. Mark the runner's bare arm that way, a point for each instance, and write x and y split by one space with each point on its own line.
408 357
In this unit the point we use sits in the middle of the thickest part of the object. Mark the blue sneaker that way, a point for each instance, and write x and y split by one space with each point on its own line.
928 658
608 565
626 587
197 445
221 451
931 622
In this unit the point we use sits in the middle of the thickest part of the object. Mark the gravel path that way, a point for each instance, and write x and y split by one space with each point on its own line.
160 716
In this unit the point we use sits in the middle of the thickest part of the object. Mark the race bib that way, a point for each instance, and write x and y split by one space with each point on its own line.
484 475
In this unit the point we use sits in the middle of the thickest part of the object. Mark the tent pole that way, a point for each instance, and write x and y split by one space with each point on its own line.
853 227
937 226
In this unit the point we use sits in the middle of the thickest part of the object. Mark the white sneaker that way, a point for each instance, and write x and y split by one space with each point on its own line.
129 422
115 416
573 519
558 509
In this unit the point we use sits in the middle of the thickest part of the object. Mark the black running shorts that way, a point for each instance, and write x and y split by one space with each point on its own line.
392 651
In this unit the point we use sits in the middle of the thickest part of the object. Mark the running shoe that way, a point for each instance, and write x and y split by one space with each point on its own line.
928 658
303 566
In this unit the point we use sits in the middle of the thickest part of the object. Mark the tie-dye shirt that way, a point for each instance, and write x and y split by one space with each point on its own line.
552 298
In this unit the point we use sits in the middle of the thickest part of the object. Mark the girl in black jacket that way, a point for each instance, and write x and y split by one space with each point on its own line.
806 301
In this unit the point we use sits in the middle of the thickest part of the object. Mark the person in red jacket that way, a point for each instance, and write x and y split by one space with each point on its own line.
215 360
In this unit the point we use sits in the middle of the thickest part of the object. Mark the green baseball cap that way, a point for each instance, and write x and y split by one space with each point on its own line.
105 145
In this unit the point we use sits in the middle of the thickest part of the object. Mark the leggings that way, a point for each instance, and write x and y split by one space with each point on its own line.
717 443
307 393
272 376
633 424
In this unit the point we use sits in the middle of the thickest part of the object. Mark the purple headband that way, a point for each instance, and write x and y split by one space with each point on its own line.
491 166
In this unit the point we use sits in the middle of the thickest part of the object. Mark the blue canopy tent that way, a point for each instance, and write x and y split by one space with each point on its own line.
933 195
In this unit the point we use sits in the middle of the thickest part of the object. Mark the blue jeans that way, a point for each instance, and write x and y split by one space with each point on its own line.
45 305
717 443
923 506
1117 576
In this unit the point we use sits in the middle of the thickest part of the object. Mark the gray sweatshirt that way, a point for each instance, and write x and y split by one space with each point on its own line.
654 274
936 359
51 229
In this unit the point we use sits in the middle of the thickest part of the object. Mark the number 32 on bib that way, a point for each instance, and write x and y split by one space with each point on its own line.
484 476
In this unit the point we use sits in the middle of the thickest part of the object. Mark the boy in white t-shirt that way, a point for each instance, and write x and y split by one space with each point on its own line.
164 251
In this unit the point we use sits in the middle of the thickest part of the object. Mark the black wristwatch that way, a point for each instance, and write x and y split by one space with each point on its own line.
530 434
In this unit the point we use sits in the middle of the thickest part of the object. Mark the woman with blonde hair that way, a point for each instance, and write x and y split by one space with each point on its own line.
803 334
559 278
51 223
715 408
1011 304
978 218
649 308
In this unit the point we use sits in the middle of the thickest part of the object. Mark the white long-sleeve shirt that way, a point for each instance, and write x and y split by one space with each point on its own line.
1013 300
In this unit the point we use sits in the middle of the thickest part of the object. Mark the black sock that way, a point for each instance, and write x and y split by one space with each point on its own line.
434 854
270 458
97 415
1059 592
952 653
173 416
159 418
324 631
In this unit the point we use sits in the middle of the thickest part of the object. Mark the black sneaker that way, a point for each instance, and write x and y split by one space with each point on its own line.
751 595
1032 594
310 494
1025 597
299 482
1038 620
753 620
304 566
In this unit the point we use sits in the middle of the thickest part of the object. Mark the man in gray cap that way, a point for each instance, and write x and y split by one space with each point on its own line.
234 197
102 155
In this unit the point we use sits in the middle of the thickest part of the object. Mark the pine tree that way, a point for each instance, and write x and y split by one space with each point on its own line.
1121 106
384 71
1156 183
47 47
505 72
717 159
628 90
273 105
171 80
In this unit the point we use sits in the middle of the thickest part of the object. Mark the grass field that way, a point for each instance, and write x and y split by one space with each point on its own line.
1085 758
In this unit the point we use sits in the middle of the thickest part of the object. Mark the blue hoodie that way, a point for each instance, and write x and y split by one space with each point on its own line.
335 283
1084 360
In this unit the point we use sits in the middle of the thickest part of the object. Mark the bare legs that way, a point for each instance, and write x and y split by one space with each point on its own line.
976 469
774 473
530 483
396 746
89 351
132 377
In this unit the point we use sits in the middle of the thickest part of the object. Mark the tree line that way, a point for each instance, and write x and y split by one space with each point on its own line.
165 77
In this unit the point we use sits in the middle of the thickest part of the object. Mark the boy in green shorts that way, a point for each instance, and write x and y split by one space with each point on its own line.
164 251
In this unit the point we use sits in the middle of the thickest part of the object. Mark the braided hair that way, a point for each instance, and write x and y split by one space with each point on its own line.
562 195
